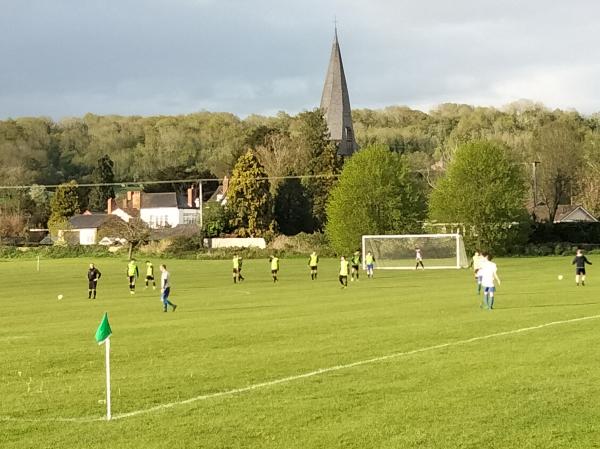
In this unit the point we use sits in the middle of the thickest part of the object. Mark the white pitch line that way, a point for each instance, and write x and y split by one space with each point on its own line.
311 373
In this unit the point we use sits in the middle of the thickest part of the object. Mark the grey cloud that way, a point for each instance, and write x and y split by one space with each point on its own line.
69 57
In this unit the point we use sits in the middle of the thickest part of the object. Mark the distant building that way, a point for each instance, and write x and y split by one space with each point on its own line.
565 213
158 210
573 213
335 104
85 227
220 195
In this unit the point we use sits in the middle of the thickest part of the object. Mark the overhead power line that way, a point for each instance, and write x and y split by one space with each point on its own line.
169 181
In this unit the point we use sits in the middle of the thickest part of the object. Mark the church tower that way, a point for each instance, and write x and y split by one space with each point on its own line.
335 104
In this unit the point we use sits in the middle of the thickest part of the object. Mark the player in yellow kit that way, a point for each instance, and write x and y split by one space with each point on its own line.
313 262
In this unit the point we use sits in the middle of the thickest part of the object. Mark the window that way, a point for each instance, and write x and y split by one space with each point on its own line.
349 134
190 218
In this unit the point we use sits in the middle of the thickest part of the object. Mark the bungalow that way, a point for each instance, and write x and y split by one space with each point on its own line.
87 226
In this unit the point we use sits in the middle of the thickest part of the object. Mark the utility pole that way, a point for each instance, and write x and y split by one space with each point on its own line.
201 200
534 165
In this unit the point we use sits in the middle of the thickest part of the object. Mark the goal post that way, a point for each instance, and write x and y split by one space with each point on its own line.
398 252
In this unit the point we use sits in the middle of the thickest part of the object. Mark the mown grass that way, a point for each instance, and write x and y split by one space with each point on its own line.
533 389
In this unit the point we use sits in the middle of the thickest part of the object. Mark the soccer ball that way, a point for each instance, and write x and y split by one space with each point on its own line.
560 277
60 297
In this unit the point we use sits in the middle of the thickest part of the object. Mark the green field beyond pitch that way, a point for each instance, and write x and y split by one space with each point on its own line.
536 388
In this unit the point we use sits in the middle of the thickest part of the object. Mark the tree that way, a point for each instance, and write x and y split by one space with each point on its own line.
39 197
323 162
135 231
376 194
558 146
589 175
102 174
249 199
292 207
63 205
12 224
281 156
484 190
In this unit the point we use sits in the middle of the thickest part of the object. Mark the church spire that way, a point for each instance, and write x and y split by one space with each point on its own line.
335 103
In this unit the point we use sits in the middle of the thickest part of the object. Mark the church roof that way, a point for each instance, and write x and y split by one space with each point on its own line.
335 103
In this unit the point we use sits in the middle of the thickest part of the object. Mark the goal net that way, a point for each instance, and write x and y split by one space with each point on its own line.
398 252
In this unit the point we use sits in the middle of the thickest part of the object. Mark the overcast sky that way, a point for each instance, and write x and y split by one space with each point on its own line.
68 57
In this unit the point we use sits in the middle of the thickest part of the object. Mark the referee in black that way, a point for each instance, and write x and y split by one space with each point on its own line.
93 276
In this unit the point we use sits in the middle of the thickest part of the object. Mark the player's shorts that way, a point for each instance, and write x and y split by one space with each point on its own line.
370 266
355 267
274 271
489 289
149 278
92 285
236 270
343 278
313 268
132 279
580 271
165 294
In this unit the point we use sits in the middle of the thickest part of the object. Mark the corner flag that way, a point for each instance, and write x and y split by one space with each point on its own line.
104 330
103 336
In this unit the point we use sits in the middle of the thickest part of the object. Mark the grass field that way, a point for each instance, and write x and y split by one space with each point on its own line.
445 387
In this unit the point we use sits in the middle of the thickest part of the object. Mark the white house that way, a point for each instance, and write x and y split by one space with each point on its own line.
158 210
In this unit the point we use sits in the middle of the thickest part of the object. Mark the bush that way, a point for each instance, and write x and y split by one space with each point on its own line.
565 232
215 221
302 244
182 245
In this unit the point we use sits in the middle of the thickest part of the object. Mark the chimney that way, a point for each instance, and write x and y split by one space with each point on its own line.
109 206
136 200
190 197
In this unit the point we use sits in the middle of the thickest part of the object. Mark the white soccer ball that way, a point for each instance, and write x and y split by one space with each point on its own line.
560 277
60 297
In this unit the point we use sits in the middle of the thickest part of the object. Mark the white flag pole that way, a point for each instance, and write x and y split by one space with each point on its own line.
107 344
38 264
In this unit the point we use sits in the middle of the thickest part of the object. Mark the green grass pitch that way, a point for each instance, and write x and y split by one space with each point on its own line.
533 389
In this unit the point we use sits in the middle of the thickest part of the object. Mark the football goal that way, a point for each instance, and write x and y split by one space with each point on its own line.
398 252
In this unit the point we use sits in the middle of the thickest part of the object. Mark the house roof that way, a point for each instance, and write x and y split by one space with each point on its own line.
152 200
86 221
565 211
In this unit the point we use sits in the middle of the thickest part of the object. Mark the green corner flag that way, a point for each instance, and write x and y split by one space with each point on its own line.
104 330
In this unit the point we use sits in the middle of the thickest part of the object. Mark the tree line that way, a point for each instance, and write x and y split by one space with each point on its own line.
562 146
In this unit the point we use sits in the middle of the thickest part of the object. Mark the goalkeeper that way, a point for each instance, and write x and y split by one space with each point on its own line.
370 261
